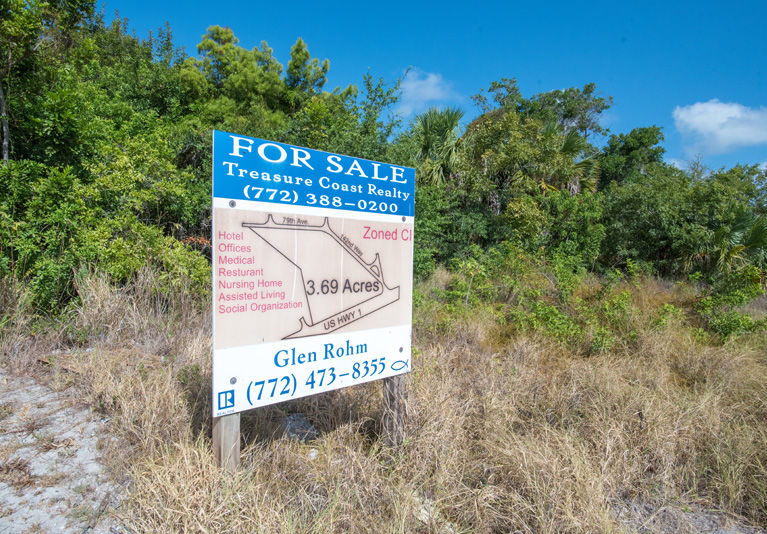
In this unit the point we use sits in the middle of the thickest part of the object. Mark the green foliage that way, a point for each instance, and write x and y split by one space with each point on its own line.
423 262
730 323
436 133
348 121
305 75
671 220
574 226
617 310
108 142
733 289
555 297
62 224
572 109
47 219
445 229
627 155
728 292
666 314
567 270
110 151
548 319
741 243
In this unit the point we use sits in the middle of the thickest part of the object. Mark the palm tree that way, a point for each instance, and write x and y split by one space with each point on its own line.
569 147
743 242
437 134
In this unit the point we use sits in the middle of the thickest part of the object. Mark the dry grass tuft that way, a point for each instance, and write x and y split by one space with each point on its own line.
139 314
20 341
16 473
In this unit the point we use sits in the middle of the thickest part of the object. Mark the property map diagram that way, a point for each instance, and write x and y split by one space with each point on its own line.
340 286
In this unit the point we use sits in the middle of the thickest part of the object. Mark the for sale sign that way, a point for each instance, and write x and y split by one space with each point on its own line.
312 271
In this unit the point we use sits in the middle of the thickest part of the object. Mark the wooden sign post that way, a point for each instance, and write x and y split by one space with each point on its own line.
226 441
394 410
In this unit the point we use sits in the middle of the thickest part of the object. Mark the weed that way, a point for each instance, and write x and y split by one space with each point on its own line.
6 409
666 313
81 513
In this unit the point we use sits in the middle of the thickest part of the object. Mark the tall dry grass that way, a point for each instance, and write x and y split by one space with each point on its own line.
504 433
22 335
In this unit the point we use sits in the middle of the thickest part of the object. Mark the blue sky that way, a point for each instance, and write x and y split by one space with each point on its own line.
697 69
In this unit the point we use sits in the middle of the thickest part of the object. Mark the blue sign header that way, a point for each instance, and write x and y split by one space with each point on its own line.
246 168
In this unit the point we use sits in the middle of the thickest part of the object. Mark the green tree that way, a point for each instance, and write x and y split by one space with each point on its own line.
354 122
219 55
436 132
571 109
20 30
629 154
680 222
304 76
304 73
653 218
569 148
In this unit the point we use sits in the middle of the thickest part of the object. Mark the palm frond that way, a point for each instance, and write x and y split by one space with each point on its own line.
756 236
573 144
437 132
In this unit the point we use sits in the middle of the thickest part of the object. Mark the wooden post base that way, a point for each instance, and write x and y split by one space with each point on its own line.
394 410
226 441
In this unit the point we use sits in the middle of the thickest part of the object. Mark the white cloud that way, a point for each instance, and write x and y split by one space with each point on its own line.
716 127
763 166
421 89
678 163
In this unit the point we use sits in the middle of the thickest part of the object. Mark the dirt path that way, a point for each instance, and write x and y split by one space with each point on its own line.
51 479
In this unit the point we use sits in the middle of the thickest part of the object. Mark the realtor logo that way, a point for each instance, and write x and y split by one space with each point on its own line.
226 399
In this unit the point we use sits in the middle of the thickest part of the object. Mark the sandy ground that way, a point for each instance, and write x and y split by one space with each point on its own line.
675 517
51 479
